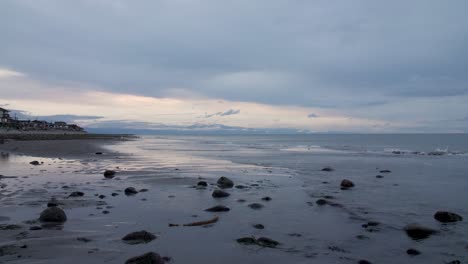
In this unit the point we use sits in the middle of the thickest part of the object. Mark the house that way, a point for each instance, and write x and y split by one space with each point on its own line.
4 116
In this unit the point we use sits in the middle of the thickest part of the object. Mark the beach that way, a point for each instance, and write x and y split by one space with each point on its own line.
287 203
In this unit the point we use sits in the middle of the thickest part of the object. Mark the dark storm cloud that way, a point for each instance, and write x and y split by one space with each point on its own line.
310 53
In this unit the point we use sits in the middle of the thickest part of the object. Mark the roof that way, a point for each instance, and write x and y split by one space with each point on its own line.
3 110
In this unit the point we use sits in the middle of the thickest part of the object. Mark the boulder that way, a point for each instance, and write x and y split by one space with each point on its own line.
447 217
225 182
130 191
109 174
139 237
53 214
346 184
147 258
418 232
218 208
219 194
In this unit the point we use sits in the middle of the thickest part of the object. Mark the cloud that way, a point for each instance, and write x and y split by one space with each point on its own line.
226 113
23 115
6 73
312 115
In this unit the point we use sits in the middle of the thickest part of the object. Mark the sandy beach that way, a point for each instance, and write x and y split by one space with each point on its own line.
311 218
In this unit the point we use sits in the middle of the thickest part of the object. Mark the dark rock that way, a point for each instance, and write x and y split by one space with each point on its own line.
385 171
76 194
256 206
241 200
83 239
219 194
412 252
105 212
225 182
53 214
363 261
98 153
454 262
202 184
417 232
259 226
109 174
321 202
33 228
143 190
266 198
241 186
52 204
379 176
102 196
114 194
328 169
346 184
139 237
447 217
218 208
35 163
147 258
130 191
373 223
267 242
247 241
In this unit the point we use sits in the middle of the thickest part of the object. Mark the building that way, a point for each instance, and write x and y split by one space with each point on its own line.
4 116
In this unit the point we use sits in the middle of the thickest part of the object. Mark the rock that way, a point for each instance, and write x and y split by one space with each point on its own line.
321 202
259 226
33 228
346 184
147 258
109 174
241 186
98 153
35 163
266 198
256 206
225 182
102 196
385 171
247 241
53 214
328 169
417 232
139 237
76 194
363 261
218 208
105 212
219 194
52 204
267 242
114 194
379 176
130 191
83 239
454 262
412 252
447 217
202 184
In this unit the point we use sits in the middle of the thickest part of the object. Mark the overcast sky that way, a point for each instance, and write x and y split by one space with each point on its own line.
358 66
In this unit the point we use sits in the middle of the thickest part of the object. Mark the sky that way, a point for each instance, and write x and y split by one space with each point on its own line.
308 66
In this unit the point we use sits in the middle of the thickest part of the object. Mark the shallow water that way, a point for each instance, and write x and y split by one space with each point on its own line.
286 168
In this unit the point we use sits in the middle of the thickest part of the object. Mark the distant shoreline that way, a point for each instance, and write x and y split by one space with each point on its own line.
56 135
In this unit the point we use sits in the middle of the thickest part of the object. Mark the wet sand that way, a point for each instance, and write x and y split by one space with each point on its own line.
307 232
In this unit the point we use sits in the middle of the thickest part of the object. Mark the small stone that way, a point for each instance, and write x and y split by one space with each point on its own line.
363 261
241 186
76 194
83 239
114 194
33 228
328 169
147 258
202 184
102 196
109 174
266 198
53 214
412 252
379 176
219 194
139 237
385 171
267 242
35 163
98 153
52 204
218 208
256 206
259 226
321 202
225 182
143 190
130 191
247 241
447 217
346 184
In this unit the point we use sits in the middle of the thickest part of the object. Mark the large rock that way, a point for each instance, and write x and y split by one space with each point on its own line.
109 174
147 258
346 184
447 217
139 237
53 214
418 232
225 182
219 194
